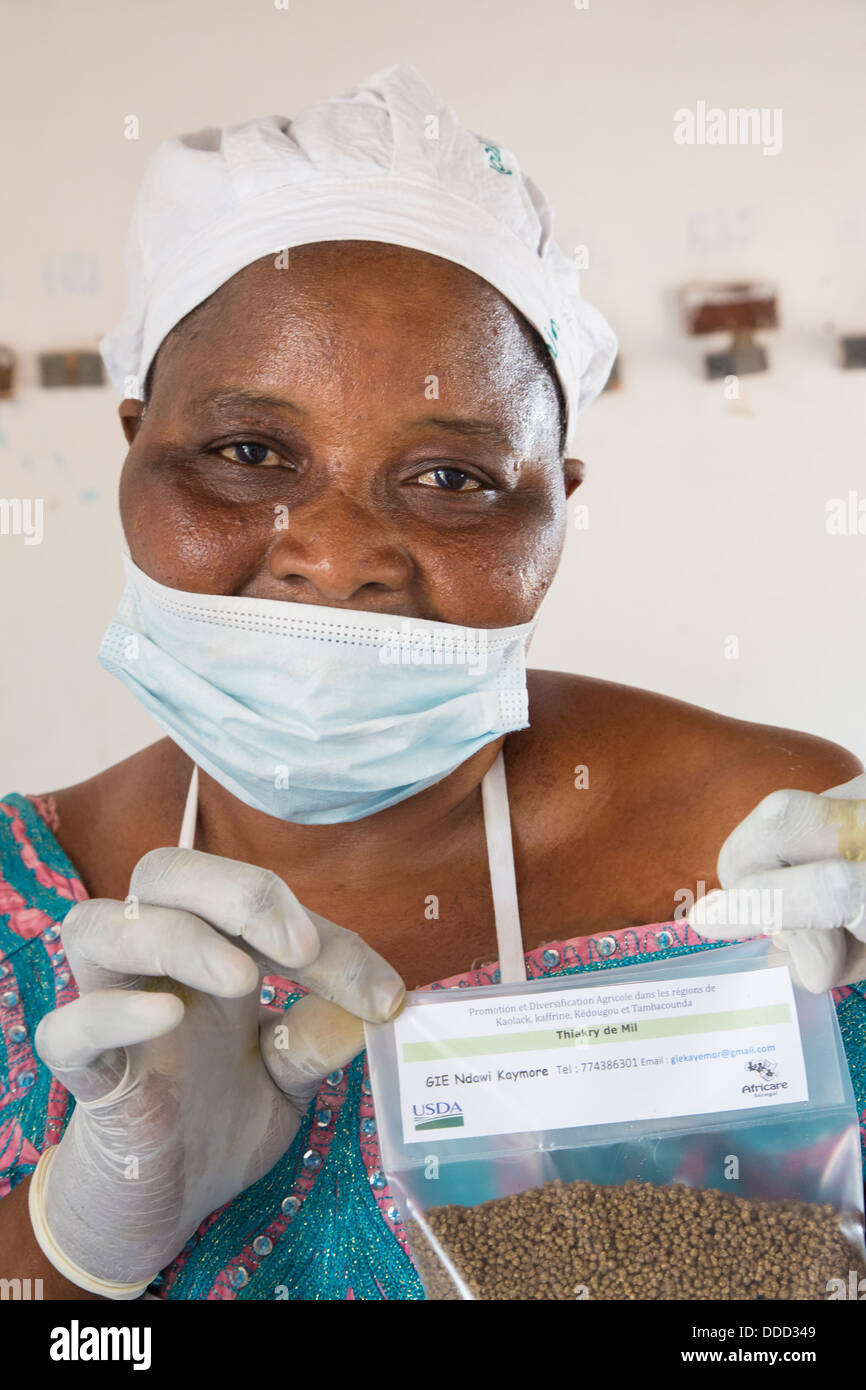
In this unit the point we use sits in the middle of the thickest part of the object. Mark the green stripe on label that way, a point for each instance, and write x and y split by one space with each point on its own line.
544 1040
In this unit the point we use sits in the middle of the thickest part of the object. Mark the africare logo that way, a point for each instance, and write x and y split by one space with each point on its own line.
438 1114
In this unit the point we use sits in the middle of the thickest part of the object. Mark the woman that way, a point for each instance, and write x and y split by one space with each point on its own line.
341 434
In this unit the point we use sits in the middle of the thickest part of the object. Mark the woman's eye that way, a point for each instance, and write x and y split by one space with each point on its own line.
449 480
250 452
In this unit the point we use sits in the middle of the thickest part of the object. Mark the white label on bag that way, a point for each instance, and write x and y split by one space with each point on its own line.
599 1055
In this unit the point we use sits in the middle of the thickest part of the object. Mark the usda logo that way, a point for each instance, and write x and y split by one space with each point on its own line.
438 1114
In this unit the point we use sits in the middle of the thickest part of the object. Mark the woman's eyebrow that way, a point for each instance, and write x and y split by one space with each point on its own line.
233 396
458 424
485 429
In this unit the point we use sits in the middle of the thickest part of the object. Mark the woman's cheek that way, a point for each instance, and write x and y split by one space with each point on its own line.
528 582
499 581
531 561
183 540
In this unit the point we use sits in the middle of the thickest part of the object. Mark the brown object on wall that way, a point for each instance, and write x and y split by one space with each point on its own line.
735 307
76 368
854 351
8 362
739 308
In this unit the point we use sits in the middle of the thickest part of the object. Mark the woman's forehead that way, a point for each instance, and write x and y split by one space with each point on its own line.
365 286
322 314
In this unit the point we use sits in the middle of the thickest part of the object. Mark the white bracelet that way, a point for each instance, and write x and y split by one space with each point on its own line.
106 1287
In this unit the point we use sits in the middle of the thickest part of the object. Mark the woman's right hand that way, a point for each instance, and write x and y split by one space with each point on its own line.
187 1090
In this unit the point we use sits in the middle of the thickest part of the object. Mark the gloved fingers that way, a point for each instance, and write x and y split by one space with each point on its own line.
256 906
311 1039
795 827
350 973
821 896
817 959
82 1043
106 948
238 899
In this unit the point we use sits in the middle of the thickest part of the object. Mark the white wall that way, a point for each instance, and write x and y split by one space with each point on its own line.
707 520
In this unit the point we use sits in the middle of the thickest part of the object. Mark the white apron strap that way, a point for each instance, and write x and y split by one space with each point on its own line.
190 813
500 856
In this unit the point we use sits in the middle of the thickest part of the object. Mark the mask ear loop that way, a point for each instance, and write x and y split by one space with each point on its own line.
190 813
503 884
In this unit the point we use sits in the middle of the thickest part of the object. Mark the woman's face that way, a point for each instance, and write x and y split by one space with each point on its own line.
369 427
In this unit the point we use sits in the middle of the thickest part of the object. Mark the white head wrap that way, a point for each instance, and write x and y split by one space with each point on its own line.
388 161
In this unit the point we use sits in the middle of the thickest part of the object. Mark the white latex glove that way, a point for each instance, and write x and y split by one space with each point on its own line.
185 1091
806 854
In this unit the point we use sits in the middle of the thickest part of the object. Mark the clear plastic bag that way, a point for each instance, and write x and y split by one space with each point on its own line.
675 1129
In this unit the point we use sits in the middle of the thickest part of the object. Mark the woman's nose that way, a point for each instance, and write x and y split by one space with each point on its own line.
336 547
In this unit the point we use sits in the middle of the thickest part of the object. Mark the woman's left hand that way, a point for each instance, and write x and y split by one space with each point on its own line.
795 869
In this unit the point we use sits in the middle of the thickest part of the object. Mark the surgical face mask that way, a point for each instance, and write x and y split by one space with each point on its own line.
312 714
